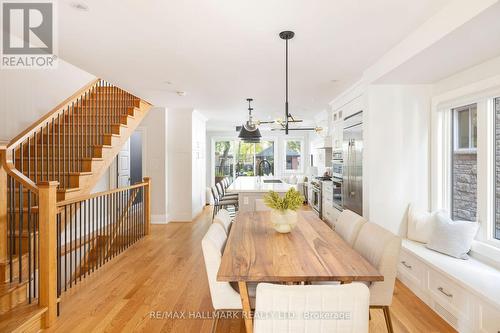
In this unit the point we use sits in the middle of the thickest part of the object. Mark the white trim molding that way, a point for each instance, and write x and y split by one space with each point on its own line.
159 219
481 93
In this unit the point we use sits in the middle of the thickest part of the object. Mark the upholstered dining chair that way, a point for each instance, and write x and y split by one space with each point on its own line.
222 192
221 203
223 295
381 248
348 225
321 309
223 217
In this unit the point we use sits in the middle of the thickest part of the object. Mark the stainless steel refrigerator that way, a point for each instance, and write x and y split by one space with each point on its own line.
352 184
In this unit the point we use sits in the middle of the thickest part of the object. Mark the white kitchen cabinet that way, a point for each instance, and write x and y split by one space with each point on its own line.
329 212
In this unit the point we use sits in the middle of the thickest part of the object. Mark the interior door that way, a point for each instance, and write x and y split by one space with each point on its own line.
124 165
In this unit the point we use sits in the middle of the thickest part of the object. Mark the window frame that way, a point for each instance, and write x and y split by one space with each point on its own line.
484 92
456 134
302 149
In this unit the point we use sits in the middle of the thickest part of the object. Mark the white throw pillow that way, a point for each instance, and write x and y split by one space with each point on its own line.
419 225
453 238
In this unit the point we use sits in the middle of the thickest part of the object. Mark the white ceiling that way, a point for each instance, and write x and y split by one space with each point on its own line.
222 51
473 43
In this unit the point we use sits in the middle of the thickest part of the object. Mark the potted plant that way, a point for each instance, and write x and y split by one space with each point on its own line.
284 210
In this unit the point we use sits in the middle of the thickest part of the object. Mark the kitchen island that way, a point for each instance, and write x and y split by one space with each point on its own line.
251 191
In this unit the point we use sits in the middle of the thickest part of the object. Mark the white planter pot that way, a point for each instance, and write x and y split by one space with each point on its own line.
283 221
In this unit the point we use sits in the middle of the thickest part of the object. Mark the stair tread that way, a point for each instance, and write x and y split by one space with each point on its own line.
68 189
72 173
15 259
79 134
64 157
20 315
8 287
69 145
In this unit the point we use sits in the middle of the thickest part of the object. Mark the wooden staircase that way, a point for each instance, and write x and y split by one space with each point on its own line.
73 145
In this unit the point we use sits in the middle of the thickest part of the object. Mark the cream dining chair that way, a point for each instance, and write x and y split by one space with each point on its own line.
223 217
348 225
319 309
381 248
223 295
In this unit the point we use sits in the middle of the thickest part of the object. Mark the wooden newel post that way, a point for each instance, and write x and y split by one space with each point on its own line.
147 205
47 199
3 207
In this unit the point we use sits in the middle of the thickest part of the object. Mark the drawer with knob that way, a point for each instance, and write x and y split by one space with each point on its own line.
449 294
412 268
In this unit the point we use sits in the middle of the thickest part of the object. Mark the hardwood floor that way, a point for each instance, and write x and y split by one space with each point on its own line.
165 272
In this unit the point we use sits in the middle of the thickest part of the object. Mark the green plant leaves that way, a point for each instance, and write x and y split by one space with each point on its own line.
292 200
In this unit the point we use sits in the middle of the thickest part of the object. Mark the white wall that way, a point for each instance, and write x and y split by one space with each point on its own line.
198 185
27 95
396 156
155 129
186 167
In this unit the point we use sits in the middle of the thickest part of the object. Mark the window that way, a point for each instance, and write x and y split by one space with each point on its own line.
224 159
293 155
251 157
465 127
464 164
496 227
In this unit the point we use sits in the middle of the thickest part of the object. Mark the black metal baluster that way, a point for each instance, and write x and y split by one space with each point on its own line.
12 206
71 139
35 143
108 236
48 153
59 148
85 125
53 151
65 247
94 231
65 148
101 230
58 228
20 221
35 251
82 259
71 217
80 240
41 154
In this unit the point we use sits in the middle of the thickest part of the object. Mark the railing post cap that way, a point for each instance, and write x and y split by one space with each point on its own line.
48 184
147 179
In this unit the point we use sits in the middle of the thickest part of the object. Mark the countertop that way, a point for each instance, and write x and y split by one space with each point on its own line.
253 185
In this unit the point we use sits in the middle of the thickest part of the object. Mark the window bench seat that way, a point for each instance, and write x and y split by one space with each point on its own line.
466 293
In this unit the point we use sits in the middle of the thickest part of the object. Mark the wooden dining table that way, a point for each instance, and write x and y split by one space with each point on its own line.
255 252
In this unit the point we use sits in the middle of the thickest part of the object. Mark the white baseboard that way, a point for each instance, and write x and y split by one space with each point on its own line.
180 217
159 219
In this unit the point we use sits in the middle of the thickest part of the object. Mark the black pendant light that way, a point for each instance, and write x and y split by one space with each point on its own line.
249 131
287 35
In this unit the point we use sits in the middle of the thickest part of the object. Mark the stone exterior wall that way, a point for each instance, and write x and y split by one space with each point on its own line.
464 187
497 168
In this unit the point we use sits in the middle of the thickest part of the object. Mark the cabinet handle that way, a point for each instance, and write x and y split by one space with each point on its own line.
406 265
441 289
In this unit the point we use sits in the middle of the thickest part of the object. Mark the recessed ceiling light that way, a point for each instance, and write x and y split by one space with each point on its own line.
80 6
334 81
167 82
181 93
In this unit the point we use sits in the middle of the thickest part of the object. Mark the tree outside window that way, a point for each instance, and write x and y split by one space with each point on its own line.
293 155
